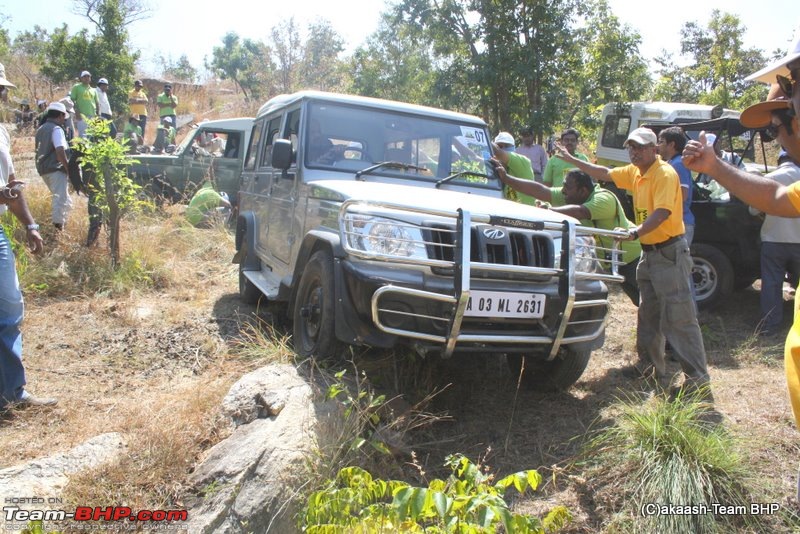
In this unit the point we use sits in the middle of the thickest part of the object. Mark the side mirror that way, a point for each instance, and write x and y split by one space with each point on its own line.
281 154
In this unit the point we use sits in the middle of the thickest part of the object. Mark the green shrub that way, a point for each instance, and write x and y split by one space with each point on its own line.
663 453
469 501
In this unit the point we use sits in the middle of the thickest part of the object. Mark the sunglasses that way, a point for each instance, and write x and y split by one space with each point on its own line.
772 130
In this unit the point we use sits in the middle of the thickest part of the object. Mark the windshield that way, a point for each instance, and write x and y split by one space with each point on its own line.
351 139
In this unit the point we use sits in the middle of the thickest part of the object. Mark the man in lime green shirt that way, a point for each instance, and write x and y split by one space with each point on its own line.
207 206
579 197
167 104
87 104
557 168
518 165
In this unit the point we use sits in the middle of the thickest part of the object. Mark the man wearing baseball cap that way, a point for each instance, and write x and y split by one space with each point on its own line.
666 308
52 161
87 104
104 106
167 104
778 113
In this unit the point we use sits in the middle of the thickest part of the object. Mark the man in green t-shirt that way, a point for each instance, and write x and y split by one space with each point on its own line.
167 103
592 205
557 168
207 207
87 104
504 149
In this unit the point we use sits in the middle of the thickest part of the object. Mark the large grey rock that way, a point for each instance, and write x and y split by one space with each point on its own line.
41 482
246 482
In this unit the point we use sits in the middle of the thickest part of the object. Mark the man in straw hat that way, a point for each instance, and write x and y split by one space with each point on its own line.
12 372
778 114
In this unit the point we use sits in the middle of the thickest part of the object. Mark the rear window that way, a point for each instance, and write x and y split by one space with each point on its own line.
615 130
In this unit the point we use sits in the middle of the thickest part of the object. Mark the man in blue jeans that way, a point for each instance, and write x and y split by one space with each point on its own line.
12 372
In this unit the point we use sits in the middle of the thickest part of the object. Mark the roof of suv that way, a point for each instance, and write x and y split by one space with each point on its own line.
281 101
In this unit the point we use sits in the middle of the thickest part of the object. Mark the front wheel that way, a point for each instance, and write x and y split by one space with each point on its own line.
557 374
314 332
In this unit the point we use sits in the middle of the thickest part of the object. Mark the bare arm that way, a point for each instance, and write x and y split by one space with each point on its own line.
527 187
17 205
762 193
61 156
574 210
500 154
598 172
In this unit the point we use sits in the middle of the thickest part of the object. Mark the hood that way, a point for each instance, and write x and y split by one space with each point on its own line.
432 199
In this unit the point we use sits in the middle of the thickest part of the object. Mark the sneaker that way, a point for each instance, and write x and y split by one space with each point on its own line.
29 400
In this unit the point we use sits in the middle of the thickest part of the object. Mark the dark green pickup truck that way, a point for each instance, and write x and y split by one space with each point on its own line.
213 149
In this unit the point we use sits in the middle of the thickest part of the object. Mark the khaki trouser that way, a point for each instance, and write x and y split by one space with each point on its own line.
58 183
667 309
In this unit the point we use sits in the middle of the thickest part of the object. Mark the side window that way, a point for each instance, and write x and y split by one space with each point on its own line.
291 130
232 145
273 126
615 130
252 150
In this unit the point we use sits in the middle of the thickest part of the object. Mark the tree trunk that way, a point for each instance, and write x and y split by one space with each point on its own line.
114 215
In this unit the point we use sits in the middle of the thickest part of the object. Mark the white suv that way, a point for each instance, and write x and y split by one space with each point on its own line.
380 223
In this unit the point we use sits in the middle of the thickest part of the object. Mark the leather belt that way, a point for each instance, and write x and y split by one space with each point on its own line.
663 244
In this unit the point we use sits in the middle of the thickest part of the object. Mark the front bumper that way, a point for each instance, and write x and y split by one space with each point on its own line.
425 300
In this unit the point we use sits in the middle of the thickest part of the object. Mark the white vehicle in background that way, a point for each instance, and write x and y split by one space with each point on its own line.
619 119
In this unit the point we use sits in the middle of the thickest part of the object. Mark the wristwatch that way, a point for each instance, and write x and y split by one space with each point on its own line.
634 233
33 226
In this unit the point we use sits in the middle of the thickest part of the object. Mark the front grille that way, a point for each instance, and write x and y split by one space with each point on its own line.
516 247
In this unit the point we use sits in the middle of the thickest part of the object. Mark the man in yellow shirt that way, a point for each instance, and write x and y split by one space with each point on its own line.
137 100
666 307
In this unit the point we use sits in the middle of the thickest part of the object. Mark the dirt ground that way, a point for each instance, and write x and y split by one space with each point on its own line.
108 359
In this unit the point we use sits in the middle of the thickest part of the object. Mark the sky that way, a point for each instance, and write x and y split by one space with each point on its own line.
195 27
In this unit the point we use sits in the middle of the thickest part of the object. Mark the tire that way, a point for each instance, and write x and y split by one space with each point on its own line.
712 275
313 317
555 375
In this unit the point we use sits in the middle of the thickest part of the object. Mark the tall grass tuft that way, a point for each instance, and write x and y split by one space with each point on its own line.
664 453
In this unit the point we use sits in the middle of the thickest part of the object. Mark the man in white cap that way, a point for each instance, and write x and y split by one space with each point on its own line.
87 104
52 161
12 371
104 106
519 166
666 307
165 135
764 194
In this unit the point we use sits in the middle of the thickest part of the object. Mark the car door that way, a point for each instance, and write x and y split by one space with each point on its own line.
283 197
262 183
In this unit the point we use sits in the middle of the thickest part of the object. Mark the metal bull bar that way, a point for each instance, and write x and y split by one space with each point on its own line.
463 267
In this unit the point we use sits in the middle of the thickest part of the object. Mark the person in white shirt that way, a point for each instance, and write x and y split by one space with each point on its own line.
534 152
105 105
780 252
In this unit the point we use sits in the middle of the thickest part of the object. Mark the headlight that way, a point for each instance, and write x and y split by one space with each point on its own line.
585 255
383 237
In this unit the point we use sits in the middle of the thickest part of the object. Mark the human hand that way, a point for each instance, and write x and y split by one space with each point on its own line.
560 151
699 156
498 168
35 241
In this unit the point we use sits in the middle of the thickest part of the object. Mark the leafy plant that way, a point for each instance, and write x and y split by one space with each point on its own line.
469 501
114 192
361 407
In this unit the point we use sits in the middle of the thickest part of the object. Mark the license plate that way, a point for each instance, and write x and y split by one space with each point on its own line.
503 304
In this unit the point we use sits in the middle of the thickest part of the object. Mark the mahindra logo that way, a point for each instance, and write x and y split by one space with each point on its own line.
494 233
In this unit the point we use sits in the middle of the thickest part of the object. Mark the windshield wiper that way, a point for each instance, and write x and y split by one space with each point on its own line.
389 164
458 174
